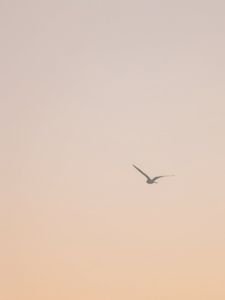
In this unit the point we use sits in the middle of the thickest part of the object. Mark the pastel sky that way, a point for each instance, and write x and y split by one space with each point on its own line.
87 89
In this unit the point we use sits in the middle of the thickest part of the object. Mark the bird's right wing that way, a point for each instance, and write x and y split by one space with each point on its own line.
157 177
141 172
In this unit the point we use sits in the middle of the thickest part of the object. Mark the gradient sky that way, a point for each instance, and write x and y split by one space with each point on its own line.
87 89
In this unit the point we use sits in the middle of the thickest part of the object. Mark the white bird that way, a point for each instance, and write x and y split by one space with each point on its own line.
150 180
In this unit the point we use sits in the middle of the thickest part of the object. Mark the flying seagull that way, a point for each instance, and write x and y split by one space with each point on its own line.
150 180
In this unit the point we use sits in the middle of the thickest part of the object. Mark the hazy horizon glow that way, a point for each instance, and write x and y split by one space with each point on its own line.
89 88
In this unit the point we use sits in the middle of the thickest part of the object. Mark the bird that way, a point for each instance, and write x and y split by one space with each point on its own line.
150 180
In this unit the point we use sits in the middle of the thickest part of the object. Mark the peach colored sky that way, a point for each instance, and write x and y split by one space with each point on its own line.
87 89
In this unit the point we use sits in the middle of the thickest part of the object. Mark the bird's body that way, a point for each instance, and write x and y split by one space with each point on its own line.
150 180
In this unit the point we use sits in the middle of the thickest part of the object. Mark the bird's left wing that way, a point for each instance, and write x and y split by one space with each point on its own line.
141 172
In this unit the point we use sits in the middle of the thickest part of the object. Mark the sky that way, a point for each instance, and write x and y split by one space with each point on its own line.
89 88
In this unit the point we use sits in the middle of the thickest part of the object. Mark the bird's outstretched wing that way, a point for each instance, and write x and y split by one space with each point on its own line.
157 177
141 172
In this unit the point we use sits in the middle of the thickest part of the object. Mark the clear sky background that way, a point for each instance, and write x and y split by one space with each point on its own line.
87 89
